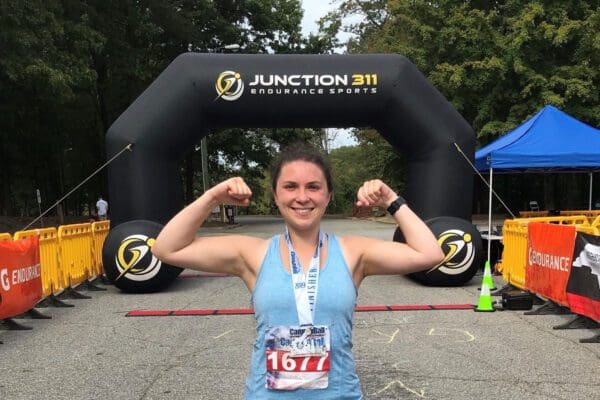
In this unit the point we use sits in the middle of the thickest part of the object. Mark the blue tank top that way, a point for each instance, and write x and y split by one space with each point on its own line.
274 304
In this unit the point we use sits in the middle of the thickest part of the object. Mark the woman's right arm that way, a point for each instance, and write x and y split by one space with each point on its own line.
177 243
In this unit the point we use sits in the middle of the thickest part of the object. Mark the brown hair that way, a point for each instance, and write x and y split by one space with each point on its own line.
301 152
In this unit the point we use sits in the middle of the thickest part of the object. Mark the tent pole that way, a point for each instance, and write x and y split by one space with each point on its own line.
489 242
591 182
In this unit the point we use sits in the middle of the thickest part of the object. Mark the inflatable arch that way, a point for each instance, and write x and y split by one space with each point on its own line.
200 92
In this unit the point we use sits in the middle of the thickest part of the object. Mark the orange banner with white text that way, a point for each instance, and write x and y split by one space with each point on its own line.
548 261
20 276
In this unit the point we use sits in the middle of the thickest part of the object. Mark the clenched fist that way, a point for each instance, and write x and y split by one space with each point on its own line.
375 193
233 191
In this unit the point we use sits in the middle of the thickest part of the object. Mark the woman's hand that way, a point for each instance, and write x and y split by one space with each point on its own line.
233 191
375 193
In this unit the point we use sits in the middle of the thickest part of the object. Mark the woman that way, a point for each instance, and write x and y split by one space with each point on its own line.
304 282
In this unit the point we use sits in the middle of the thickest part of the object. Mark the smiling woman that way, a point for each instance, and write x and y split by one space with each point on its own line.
303 282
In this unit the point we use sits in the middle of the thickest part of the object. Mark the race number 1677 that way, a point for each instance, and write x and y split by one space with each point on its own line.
283 361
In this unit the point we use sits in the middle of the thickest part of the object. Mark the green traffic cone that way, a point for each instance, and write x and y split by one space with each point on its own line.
485 299
487 276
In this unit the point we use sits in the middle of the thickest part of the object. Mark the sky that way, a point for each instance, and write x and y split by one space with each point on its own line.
313 11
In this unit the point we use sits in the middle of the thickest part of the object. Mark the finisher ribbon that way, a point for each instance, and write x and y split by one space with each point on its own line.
305 289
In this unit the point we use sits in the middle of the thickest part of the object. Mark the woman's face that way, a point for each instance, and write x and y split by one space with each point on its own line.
301 194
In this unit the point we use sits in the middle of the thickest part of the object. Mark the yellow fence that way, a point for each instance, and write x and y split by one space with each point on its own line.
533 214
592 230
75 243
52 273
69 255
563 213
588 213
514 237
99 232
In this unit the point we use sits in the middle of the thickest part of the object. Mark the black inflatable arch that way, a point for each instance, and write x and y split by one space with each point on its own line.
200 92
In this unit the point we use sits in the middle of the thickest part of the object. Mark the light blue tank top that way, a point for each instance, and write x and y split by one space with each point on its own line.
274 304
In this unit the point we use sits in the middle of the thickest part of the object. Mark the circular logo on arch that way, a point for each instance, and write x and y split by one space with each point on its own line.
135 260
229 86
459 249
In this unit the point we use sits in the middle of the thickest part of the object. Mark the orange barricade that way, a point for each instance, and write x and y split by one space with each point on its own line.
514 238
99 232
20 276
548 262
5 236
52 273
75 252
596 222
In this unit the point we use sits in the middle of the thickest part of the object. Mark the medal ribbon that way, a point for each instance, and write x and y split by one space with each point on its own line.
305 285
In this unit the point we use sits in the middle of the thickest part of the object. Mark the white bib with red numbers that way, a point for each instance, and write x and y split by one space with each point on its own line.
298 357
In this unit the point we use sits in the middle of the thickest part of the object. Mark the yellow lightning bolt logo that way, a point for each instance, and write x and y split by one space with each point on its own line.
229 86
135 253
455 241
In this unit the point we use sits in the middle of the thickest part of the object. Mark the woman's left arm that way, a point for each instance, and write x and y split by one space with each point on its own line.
379 257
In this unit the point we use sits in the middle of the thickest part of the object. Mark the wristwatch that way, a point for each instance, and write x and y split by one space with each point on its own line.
396 205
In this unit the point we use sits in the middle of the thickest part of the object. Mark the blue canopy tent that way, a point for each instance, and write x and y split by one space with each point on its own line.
550 141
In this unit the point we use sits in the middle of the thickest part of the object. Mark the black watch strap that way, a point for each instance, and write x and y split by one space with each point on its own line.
396 205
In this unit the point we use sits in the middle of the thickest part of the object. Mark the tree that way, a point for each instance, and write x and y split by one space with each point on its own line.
352 165
69 68
496 62
43 63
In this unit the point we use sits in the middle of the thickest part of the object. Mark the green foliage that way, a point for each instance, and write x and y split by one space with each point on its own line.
44 66
69 68
373 158
496 62
346 163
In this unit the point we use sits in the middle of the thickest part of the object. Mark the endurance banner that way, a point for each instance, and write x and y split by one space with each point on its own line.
583 288
20 276
548 263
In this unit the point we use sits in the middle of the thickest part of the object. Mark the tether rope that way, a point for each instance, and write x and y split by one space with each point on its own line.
128 147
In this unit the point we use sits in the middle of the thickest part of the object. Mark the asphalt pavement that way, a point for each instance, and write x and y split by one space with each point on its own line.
94 351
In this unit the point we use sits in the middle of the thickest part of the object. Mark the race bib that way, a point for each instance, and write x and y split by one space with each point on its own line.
298 357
